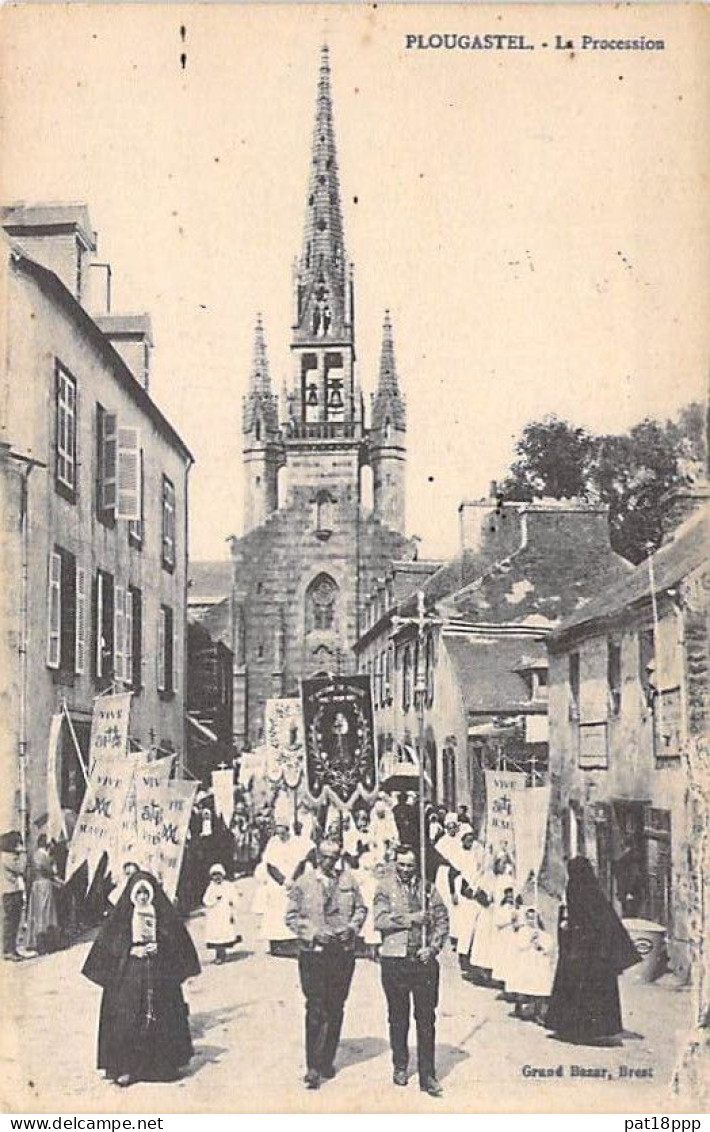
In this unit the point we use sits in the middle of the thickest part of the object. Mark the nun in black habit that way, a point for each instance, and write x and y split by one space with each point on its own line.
140 958
594 949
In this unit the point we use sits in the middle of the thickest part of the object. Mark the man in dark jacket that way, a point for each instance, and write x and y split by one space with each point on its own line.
326 912
411 941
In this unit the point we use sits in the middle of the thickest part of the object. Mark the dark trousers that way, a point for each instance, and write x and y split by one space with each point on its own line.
403 979
325 980
11 916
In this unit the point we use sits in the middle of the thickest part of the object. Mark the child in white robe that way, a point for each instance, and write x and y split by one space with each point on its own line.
505 925
531 979
220 900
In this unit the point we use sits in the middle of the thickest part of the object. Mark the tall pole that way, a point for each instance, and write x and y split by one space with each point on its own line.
420 692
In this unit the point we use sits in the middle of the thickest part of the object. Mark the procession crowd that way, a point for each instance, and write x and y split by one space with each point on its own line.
331 886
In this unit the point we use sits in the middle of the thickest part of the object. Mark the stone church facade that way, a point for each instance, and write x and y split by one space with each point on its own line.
311 551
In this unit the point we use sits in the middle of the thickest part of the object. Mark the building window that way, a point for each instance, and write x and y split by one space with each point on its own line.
449 767
321 603
134 638
389 672
376 700
103 620
647 665
166 651
168 527
613 675
430 670
62 611
573 678
539 684
136 527
106 465
406 678
65 436
384 679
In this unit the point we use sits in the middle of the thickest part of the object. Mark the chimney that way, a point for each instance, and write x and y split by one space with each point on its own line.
57 236
131 335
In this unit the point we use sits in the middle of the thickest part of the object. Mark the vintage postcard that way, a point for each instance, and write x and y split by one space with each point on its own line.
353 614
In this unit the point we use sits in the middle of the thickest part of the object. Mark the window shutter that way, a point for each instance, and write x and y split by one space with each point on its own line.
137 644
80 622
129 474
128 639
108 462
161 651
176 656
54 610
98 641
119 648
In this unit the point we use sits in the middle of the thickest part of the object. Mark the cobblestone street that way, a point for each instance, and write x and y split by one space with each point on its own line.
247 1022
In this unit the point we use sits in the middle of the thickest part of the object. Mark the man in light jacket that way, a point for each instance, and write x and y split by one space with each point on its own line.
411 941
326 912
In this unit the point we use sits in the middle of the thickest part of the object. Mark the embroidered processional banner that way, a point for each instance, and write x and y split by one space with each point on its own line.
500 786
109 726
101 811
283 730
528 811
340 750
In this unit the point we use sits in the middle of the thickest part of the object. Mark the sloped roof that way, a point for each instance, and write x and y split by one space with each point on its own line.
23 217
488 673
688 551
209 581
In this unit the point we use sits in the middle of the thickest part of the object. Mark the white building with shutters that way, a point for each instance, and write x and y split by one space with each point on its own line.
94 517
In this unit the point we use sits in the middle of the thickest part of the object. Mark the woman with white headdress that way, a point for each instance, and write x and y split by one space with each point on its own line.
448 847
495 876
140 958
467 880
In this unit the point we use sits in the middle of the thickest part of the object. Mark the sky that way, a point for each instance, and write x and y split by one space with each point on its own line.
536 221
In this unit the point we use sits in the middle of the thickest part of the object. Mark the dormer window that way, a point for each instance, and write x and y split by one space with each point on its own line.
387 430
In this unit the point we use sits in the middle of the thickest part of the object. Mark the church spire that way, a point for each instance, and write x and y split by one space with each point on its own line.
259 379
323 305
388 403
260 409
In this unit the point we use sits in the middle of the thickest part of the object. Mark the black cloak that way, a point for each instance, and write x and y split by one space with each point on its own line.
143 1025
594 950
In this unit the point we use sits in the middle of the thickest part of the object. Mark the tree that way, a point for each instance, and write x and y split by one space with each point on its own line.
631 472
553 459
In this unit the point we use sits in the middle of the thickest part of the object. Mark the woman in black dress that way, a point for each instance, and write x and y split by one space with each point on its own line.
140 958
594 949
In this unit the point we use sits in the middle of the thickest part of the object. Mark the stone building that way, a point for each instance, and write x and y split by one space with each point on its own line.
94 515
311 549
628 703
209 702
521 568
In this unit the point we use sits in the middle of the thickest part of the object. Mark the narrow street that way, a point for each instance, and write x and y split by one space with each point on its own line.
247 1022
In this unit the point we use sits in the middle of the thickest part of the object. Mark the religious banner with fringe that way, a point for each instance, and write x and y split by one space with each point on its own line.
340 748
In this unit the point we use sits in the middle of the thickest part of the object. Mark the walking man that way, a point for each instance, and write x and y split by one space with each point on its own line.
326 912
411 941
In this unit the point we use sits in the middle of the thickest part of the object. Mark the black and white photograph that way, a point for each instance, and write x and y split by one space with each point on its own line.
354 562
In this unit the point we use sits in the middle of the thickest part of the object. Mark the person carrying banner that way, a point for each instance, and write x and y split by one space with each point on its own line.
467 880
140 958
282 856
129 869
411 942
325 912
